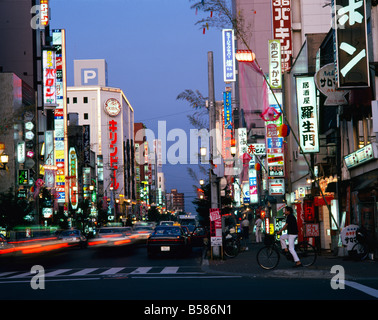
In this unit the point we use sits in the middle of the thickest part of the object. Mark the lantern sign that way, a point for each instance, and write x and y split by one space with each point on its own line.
351 44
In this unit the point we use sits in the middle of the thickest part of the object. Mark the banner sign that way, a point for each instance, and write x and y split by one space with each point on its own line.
229 68
307 114
215 227
282 30
275 69
227 110
351 44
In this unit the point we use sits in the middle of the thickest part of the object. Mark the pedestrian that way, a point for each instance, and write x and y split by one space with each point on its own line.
292 233
258 230
245 230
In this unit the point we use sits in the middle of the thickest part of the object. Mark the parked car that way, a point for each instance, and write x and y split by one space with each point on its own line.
168 240
74 238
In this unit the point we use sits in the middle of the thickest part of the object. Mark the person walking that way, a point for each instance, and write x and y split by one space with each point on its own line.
245 229
258 230
292 233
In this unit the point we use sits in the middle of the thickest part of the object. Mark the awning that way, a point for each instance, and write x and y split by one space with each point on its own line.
365 184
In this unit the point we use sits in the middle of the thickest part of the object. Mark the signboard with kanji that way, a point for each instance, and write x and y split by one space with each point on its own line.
312 230
307 115
351 44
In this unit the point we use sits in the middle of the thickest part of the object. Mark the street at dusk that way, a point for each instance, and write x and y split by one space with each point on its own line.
188 159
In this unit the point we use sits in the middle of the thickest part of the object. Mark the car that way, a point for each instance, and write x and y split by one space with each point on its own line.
113 237
168 240
143 232
166 223
74 238
199 237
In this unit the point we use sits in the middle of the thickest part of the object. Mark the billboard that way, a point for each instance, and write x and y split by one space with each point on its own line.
350 42
228 49
275 68
49 77
282 30
307 114
60 116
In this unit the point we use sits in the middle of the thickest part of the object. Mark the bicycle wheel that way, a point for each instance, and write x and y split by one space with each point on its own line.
268 257
306 253
360 251
231 248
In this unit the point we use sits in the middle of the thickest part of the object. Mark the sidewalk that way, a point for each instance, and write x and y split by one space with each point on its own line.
245 264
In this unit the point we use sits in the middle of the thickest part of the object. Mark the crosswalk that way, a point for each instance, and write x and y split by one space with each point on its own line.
107 272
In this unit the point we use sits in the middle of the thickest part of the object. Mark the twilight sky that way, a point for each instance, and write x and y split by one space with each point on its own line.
154 51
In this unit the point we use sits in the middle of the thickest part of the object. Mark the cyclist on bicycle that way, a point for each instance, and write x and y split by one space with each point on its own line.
292 234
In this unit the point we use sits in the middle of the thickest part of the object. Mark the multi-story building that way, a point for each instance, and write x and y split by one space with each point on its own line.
108 117
175 201
330 175
24 30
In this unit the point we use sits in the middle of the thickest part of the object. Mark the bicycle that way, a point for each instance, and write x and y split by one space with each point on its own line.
231 245
268 256
360 250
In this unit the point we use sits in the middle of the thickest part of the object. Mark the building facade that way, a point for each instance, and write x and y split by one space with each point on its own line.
108 117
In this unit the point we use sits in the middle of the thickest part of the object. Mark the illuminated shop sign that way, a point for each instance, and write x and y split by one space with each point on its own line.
73 176
44 12
49 77
113 155
307 114
227 110
112 107
228 55
282 30
360 156
275 69
58 36
351 44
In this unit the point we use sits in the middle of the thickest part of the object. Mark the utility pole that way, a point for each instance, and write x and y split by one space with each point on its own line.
213 142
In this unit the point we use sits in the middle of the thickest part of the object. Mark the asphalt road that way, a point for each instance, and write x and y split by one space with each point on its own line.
129 275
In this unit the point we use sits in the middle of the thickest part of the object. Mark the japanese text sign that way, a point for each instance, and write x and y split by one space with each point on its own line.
49 77
113 155
282 30
275 69
228 55
351 44
227 110
307 114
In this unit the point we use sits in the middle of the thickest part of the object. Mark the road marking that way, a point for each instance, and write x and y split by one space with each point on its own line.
6 273
112 271
361 287
170 270
141 270
83 272
21 275
56 272
185 277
